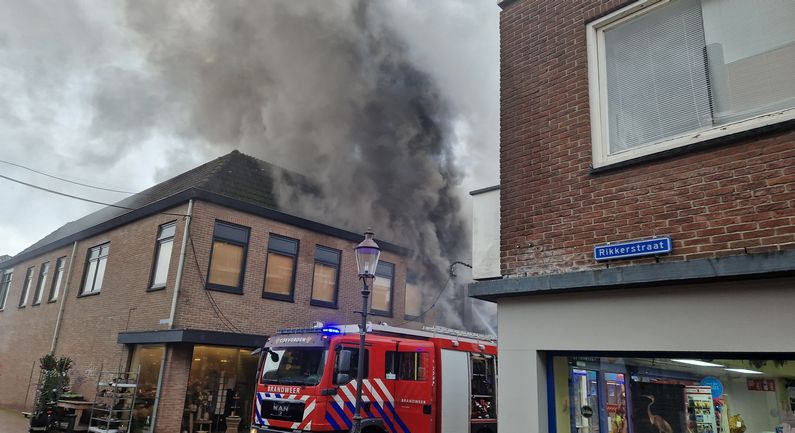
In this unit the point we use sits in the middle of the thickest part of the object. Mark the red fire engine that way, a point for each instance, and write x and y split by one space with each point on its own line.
436 380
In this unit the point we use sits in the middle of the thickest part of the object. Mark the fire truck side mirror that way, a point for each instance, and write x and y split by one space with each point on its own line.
343 378
344 361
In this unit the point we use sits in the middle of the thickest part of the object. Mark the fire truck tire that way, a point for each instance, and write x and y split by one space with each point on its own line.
373 429
486 430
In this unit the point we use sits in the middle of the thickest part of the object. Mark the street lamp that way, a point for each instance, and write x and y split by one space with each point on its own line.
367 254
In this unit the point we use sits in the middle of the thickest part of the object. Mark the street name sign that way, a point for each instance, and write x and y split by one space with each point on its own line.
631 249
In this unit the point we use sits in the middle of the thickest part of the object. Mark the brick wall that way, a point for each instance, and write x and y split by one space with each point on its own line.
735 198
249 311
26 333
175 381
90 324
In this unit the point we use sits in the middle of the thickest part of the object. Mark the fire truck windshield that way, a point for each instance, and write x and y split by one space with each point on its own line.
295 366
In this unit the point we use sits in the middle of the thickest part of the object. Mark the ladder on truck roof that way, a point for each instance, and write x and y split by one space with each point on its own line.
426 332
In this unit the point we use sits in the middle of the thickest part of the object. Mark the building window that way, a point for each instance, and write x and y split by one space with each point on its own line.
381 303
413 300
5 287
23 298
56 281
325 279
684 71
684 393
43 272
280 268
165 243
228 257
95 269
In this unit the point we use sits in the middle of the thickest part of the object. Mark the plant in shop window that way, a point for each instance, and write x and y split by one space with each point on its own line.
199 402
204 405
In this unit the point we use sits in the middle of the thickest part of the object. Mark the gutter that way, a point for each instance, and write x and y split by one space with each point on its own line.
198 194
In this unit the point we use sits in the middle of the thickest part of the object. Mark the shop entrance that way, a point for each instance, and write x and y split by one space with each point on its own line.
218 375
585 400
146 360
598 400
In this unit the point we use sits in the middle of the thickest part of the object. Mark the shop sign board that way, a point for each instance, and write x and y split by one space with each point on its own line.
631 249
715 384
761 384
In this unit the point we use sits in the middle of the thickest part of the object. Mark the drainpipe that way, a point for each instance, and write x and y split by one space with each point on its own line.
181 265
177 285
63 299
153 421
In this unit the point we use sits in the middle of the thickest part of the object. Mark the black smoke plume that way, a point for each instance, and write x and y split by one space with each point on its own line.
323 88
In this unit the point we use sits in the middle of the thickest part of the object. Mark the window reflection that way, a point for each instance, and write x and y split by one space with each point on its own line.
216 374
146 361
685 394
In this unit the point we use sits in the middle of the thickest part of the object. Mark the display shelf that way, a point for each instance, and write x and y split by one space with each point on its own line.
113 402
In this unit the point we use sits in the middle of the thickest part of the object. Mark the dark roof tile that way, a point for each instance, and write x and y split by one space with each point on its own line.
234 175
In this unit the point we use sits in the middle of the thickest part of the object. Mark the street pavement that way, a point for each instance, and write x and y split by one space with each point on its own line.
12 421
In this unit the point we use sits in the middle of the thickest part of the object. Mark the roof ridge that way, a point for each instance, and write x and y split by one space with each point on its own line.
219 164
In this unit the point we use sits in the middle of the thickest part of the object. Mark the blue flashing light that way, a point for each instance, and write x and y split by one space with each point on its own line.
330 331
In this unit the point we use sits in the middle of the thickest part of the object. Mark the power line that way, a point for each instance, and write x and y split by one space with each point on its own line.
216 309
433 305
65 180
80 198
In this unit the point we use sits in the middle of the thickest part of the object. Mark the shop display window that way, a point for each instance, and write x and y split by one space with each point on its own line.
146 361
682 394
217 375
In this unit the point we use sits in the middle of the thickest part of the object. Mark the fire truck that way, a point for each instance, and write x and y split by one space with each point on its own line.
434 380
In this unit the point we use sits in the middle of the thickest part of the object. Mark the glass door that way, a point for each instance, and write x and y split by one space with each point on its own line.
148 359
585 400
616 402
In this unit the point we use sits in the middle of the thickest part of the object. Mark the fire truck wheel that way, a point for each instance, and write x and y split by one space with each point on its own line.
373 430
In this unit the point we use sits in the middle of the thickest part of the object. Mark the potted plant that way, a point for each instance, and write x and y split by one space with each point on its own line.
53 380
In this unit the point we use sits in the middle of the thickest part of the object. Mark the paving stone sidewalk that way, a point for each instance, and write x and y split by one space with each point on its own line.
12 421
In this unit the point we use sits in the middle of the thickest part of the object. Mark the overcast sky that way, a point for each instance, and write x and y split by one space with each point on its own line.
84 93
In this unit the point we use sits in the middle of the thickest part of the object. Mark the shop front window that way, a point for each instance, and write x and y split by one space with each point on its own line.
146 361
217 376
684 394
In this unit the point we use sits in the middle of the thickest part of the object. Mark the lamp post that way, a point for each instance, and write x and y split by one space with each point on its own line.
367 254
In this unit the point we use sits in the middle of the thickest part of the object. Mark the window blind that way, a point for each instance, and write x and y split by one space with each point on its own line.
657 84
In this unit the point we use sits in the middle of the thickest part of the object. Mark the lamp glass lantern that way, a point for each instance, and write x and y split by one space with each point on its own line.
367 255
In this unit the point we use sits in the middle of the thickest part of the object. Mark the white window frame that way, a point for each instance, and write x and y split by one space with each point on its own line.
91 288
3 273
597 90
159 242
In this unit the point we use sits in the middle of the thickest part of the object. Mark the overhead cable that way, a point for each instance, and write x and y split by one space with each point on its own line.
80 198
64 179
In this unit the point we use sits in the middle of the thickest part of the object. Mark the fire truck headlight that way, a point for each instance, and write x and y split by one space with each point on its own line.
253 430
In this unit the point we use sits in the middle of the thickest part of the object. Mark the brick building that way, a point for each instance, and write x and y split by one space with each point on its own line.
653 122
120 290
